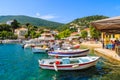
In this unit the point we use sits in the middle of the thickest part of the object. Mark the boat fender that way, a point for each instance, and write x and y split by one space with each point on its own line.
55 67
75 66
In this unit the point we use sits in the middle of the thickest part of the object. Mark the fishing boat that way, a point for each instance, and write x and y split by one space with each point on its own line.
28 45
69 52
68 63
39 50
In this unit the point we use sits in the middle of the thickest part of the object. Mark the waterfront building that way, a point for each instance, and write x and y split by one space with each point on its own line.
110 29
20 32
47 35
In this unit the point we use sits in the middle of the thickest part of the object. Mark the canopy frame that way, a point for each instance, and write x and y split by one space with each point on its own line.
109 25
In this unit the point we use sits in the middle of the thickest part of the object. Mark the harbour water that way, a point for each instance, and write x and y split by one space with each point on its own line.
17 63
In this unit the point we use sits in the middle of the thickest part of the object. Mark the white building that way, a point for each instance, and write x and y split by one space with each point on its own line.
9 22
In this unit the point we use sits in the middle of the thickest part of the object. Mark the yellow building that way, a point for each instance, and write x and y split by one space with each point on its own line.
109 38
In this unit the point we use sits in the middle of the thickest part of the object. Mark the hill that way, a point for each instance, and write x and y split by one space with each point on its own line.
82 22
34 21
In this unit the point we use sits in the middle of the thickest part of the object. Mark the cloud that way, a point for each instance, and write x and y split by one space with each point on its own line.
37 14
48 16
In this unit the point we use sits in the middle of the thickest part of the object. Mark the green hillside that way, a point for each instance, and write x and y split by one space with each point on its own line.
82 22
34 21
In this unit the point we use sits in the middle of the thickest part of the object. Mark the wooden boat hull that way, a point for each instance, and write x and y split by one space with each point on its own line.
70 53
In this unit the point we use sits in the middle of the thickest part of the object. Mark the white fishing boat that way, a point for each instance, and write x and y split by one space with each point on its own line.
28 45
68 63
69 52
39 50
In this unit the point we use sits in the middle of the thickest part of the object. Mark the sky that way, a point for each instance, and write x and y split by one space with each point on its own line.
63 11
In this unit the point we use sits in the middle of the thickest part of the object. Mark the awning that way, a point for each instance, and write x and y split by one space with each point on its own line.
109 25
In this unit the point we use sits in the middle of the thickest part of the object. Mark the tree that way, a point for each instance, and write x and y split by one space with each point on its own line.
37 35
5 27
14 24
3 34
64 33
32 34
84 34
27 24
94 33
7 35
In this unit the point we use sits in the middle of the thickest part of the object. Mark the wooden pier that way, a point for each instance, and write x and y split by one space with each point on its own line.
108 54
111 55
91 44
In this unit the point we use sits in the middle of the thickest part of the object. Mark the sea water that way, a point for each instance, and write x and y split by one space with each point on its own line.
17 63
